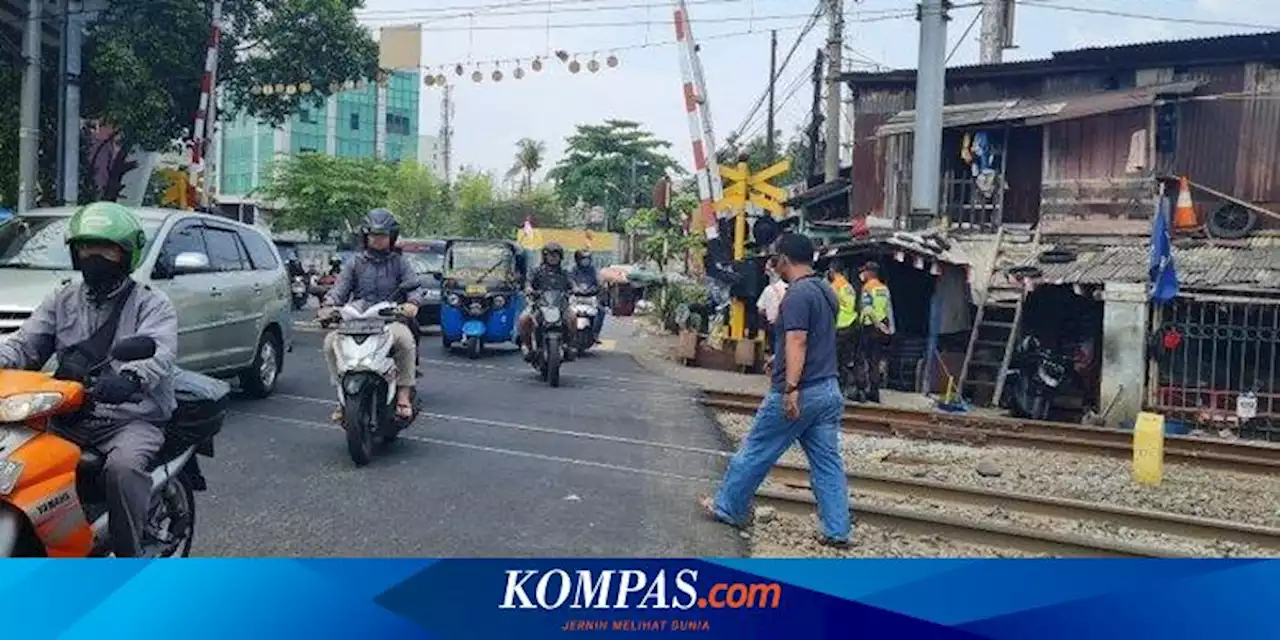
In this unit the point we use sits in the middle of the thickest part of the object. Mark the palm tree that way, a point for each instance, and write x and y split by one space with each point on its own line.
529 156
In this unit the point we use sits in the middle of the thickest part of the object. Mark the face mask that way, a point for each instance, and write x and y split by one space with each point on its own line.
102 275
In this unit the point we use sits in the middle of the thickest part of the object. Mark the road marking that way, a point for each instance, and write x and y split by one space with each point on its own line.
309 424
536 429
607 345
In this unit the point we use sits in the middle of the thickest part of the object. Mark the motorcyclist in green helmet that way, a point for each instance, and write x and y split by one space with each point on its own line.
131 400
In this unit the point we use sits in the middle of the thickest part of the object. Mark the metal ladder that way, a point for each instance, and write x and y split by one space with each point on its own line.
998 318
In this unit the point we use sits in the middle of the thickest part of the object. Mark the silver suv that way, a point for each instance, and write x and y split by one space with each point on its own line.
226 280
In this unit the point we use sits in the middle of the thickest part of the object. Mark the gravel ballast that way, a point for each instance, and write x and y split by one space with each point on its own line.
1187 490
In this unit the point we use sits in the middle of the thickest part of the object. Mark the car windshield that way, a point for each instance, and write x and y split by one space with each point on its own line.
426 262
40 242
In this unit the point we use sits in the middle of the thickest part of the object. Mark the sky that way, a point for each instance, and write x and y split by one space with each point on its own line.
734 36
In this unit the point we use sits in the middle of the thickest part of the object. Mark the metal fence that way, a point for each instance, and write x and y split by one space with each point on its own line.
1216 363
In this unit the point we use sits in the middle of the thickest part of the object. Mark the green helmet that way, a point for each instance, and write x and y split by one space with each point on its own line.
108 222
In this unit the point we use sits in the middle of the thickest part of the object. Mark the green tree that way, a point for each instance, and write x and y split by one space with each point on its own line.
481 212
144 80
530 154
613 165
325 196
418 198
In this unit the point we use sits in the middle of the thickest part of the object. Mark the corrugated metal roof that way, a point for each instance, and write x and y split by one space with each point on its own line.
1252 265
1031 111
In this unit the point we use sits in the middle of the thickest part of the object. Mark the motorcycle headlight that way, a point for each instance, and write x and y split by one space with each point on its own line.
453 299
551 315
499 302
24 406
432 294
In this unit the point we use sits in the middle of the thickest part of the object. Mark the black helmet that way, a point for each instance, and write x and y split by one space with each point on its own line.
581 254
380 222
553 247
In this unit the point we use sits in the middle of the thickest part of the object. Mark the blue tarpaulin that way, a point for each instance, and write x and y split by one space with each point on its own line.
1164 274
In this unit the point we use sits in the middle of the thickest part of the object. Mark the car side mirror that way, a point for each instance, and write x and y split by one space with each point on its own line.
190 262
134 348
438 276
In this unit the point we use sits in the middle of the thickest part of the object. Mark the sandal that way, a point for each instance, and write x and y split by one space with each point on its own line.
404 410
708 506
336 416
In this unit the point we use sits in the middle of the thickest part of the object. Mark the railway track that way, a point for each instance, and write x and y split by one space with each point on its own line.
998 430
795 497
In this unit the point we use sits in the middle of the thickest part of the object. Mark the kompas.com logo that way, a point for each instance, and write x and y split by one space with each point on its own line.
630 588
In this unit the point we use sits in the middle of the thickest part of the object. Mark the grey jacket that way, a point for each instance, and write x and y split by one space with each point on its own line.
68 317
374 278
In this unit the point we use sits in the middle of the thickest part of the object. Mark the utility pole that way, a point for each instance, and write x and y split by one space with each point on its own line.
70 131
930 92
835 46
997 30
770 143
815 117
446 129
213 163
29 118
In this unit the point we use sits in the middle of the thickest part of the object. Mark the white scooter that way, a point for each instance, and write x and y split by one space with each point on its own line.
367 379
584 305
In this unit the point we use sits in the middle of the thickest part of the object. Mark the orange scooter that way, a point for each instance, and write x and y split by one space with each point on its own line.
52 502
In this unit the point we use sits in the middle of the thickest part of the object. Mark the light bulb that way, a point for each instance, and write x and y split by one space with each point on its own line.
593 66
612 61
537 64
518 73
497 75
476 76
575 67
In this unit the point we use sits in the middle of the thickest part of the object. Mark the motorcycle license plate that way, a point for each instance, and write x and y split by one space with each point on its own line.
361 327
476 290
10 471
582 323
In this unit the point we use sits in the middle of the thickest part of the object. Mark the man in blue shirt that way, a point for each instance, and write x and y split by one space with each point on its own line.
804 402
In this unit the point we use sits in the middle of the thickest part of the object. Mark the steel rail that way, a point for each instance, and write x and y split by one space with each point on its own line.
999 430
1173 524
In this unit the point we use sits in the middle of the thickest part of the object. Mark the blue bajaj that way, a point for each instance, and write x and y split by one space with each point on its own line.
482 294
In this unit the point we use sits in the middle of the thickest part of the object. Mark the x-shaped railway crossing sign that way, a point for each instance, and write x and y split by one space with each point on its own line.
754 188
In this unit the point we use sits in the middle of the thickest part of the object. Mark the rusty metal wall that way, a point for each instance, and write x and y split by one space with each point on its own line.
1210 352
870 173
1258 163
1085 172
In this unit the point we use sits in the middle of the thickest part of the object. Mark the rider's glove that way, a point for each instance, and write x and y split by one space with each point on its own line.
116 388
325 313
408 310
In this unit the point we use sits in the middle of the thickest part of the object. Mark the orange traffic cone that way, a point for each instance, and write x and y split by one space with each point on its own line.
1184 215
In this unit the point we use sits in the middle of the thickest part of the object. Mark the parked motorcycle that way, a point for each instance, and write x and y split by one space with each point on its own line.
367 379
52 498
1035 376
549 332
584 307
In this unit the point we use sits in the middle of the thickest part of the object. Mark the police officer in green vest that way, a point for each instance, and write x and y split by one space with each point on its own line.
876 326
846 331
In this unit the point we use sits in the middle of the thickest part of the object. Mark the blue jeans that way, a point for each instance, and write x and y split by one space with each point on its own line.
818 430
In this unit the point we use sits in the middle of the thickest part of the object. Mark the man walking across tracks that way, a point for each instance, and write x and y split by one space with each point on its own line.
875 321
804 403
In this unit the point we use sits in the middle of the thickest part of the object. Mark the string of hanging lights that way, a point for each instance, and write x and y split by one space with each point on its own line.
438 75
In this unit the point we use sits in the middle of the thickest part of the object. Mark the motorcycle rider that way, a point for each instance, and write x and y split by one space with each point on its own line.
380 273
584 274
549 276
79 323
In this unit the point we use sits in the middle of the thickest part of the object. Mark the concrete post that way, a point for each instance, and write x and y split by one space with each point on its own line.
331 125
1124 349
835 46
930 92
71 107
29 109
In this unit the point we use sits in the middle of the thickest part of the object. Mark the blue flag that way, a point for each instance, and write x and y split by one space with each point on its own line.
1164 275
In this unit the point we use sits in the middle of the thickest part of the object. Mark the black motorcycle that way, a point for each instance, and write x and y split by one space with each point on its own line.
549 335
1036 375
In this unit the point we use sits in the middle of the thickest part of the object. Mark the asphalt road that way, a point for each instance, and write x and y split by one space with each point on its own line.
500 464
